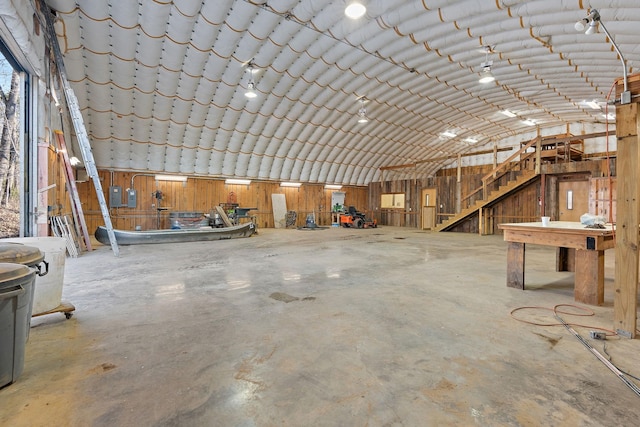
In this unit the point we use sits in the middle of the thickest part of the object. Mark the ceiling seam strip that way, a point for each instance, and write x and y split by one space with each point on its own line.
333 37
550 47
213 149
428 48
139 26
193 100
412 37
238 31
174 97
528 70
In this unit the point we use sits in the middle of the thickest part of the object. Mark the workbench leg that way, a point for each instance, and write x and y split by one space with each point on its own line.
565 259
589 278
515 265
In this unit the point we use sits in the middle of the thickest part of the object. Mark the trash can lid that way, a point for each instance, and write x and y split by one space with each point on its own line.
20 254
10 272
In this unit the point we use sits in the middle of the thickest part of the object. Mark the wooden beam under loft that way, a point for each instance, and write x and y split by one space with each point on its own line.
440 159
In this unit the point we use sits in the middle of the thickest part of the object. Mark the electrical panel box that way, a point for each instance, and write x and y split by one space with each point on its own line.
115 196
132 198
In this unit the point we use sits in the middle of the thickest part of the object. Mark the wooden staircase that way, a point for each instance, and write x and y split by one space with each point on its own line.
493 197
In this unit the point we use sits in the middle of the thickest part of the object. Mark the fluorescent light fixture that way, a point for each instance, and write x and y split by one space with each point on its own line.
529 122
290 184
333 186
592 104
448 134
355 10
178 178
363 120
508 113
74 161
237 181
471 140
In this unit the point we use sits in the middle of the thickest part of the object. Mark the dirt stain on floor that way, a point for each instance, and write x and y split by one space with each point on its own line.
281 296
286 298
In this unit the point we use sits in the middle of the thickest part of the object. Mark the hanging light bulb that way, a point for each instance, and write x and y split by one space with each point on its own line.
362 116
251 90
593 27
362 112
486 76
251 86
355 10
591 20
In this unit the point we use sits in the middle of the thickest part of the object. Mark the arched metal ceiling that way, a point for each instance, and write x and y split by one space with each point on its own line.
161 83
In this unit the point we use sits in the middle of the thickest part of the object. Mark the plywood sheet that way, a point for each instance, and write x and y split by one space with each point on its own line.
279 204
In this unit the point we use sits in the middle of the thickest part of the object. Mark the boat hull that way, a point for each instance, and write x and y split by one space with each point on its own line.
126 237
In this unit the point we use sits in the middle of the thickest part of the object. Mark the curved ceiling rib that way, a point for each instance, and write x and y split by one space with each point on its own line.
161 83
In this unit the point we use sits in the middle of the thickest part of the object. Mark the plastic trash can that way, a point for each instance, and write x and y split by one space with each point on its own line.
16 290
26 255
48 289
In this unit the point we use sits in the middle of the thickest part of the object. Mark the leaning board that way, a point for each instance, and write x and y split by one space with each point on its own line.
279 204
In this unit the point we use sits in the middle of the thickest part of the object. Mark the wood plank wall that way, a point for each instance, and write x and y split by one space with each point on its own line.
522 206
201 195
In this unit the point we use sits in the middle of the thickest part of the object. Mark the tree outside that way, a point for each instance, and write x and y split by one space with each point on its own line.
9 150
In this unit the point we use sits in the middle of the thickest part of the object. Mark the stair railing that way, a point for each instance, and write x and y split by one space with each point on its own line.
502 169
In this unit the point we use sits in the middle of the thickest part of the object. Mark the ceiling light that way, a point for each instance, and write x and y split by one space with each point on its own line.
355 10
179 178
587 20
362 112
237 181
593 28
333 186
528 122
486 76
471 140
74 161
593 19
448 134
508 113
251 90
290 184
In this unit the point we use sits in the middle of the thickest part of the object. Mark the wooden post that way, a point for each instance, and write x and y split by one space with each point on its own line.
459 185
538 154
515 265
589 269
625 300
495 155
543 191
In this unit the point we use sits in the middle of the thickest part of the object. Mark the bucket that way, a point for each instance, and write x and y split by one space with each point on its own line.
16 287
48 289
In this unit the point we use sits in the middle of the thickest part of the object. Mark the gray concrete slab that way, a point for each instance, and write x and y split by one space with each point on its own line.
335 327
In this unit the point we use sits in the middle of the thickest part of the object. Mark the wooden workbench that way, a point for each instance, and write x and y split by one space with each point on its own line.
588 244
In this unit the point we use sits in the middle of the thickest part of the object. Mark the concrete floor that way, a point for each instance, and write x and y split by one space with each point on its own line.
389 327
